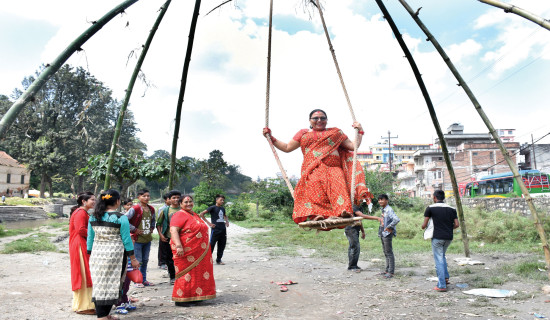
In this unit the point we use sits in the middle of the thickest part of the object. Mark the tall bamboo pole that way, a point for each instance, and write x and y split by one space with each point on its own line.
520 12
129 90
481 112
435 121
182 91
50 70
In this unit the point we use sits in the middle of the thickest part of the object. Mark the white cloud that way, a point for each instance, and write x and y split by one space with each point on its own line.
225 95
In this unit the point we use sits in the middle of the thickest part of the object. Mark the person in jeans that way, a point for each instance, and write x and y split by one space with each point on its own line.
142 223
352 233
386 232
444 219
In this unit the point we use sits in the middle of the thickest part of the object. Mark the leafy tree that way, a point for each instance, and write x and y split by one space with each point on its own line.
205 195
71 118
273 195
128 169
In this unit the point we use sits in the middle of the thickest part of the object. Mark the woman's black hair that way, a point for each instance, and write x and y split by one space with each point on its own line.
106 199
126 201
317 110
80 198
185 196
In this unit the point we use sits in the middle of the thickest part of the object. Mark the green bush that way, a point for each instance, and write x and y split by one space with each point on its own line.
238 209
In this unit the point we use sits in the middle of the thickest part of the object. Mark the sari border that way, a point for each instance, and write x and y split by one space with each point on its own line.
193 265
199 298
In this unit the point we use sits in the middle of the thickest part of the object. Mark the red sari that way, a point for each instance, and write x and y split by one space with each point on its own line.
194 270
325 182
78 232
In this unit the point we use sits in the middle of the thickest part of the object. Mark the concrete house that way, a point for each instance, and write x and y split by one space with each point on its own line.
14 177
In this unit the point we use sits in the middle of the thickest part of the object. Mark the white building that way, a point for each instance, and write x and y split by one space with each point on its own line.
14 177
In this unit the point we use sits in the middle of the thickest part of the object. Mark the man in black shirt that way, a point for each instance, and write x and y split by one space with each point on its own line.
444 219
218 226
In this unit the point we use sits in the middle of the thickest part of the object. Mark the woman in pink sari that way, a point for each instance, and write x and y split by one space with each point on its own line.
192 256
324 187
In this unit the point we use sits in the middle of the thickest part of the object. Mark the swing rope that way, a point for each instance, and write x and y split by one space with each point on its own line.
267 92
331 48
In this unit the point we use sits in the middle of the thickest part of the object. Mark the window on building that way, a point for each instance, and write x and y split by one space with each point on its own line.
510 132
22 179
474 153
377 157
8 178
440 158
491 155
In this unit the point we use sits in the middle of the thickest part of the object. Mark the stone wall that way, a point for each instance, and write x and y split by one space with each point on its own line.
504 204
19 213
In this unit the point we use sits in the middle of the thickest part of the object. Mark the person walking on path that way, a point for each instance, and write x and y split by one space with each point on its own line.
444 219
386 232
81 280
142 223
163 228
218 226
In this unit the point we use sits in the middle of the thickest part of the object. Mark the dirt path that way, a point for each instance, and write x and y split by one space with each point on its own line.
37 286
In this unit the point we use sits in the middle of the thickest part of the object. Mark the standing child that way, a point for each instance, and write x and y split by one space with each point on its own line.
166 199
218 225
386 232
163 228
142 224
352 233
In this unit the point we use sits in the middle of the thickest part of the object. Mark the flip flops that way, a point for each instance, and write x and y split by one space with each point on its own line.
283 288
438 289
148 284
289 282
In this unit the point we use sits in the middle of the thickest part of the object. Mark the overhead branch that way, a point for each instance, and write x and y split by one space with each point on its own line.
520 12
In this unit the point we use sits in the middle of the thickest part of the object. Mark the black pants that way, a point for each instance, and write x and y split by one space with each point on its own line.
161 259
166 254
352 233
103 310
219 237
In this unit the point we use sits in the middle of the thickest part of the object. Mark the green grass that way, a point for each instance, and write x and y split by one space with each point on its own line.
16 201
13 232
494 233
33 243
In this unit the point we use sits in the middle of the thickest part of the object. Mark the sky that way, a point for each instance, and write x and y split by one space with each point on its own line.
504 58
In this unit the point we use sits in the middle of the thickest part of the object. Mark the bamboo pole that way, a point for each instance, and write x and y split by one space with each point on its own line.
182 92
129 90
435 121
492 131
51 69
520 12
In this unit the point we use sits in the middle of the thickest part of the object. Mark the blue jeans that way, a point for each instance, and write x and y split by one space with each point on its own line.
141 251
439 247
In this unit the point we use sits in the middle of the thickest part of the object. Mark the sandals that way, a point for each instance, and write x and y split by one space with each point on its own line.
388 275
140 285
447 282
121 309
87 311
283 288
438 289
220 263
148 284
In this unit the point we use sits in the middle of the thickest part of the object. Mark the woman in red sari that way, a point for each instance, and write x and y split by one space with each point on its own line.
192 256
324 187
81 281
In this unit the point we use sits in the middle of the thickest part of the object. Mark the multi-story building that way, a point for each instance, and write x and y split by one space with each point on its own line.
536 156
472 156
14 177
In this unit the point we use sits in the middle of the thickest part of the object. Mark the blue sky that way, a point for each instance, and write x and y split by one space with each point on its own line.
504 58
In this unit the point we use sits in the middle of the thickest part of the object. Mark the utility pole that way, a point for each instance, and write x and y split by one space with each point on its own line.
534 156
389 146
